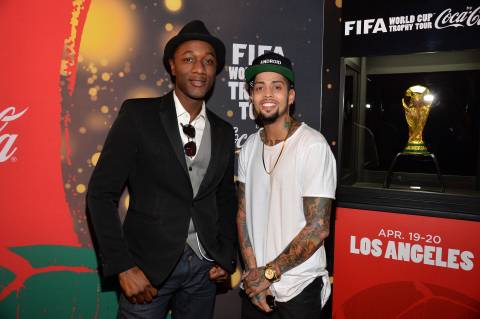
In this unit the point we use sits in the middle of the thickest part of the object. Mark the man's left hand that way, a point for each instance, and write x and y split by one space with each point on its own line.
254 281
218 274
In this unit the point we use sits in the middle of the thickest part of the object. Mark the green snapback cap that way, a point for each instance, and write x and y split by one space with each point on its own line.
270 62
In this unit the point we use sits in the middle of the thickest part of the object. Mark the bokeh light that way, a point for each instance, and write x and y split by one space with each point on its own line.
95 122
173 5
127 201
164 37
95 158
142 92
235 278
110 30
81 188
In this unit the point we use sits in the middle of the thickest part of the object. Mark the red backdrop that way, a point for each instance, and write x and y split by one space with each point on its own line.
34 209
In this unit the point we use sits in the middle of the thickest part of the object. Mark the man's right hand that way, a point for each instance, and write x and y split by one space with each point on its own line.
260 302
136 286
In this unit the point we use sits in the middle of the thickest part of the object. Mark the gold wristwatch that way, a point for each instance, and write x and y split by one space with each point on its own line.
271 273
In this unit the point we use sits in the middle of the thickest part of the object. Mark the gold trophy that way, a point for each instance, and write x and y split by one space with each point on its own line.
416 101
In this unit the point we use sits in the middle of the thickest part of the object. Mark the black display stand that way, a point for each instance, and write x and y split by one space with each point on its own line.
388 178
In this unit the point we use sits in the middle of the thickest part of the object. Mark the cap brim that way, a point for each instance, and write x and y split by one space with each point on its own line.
256 69
216 43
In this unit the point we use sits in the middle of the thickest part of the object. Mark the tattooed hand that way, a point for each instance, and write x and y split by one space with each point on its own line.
254 282
260 302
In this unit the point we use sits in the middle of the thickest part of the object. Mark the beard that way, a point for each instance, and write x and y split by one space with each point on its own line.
269 119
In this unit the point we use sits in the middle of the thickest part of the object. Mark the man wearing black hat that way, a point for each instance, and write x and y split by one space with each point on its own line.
287 180
176 158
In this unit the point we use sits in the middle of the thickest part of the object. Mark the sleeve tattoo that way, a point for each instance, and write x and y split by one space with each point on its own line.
243 238
317 214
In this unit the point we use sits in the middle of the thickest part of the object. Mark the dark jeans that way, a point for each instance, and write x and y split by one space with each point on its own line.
306 305
189 289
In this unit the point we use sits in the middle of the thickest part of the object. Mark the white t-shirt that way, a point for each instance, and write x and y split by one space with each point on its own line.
274 203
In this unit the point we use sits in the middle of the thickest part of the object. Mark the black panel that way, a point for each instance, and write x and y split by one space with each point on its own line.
449 25
406 202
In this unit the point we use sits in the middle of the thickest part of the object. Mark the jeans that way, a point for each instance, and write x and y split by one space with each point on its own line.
189 289
306 305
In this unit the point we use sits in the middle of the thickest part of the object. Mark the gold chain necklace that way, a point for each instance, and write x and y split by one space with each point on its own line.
263 150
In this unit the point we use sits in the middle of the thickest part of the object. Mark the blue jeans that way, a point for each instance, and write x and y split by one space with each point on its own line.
189 289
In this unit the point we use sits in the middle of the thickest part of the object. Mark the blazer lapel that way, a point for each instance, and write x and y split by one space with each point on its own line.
168 116
216 142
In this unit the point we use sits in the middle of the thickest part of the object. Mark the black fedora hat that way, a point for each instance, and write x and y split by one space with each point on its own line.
194 30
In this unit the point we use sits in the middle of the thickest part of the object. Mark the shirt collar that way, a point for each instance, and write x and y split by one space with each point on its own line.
181 110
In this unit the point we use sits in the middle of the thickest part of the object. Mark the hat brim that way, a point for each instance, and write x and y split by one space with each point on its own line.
256 69
174 42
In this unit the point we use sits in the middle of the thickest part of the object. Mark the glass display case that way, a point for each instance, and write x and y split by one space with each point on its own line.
378 119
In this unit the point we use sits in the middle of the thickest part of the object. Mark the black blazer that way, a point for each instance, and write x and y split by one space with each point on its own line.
144 149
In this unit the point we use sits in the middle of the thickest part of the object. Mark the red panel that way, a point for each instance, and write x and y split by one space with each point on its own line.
33 206
404 266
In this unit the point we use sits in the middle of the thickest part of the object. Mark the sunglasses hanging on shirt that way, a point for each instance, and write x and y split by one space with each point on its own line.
190 148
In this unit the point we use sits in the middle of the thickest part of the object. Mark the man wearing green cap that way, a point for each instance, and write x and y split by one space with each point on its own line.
177 160
287 180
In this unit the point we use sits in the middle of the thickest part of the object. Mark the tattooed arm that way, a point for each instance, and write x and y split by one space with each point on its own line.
317 214
243 238
246 249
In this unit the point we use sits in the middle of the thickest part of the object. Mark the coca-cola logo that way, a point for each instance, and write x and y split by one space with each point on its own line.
467 18
7 140
239 138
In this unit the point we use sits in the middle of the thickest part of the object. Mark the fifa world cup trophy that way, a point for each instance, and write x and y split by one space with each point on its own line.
417 102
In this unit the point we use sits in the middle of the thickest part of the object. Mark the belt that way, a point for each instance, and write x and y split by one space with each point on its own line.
187 248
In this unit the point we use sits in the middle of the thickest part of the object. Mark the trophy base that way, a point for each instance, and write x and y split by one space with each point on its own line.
414 148
405 156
